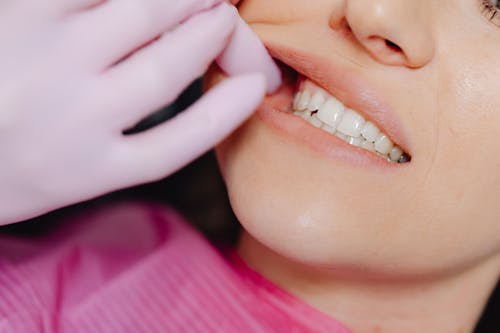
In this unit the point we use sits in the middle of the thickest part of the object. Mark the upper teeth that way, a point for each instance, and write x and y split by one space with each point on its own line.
326 112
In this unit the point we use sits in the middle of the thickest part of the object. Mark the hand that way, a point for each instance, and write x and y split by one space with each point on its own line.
77 73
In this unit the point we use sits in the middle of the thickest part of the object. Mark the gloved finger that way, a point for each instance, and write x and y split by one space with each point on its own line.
156 75
247 54
161 151
68 6
118 28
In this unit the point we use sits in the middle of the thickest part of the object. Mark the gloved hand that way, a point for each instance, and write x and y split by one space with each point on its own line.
76 73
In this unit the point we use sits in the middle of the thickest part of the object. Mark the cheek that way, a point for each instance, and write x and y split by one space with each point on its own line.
465 173
285 11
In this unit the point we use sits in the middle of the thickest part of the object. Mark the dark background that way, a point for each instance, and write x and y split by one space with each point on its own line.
198 192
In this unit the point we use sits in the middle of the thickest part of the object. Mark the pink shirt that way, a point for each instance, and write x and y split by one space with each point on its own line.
139 268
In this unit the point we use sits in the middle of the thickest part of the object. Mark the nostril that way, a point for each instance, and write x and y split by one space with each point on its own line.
392 46
385 50
380 44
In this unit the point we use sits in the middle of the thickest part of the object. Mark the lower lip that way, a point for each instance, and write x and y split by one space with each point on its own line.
295 129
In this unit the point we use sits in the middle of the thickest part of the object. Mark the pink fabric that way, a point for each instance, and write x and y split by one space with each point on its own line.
139 268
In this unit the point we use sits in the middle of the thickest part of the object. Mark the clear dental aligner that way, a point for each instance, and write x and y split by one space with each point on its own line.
324 111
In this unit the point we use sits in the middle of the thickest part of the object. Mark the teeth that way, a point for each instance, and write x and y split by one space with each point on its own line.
355 141
368 145
306 115
296 100
303 101
326 112
317 100
329 129
342 136
331 113
383 144
370 132
405 158
351 124
316 122
395 154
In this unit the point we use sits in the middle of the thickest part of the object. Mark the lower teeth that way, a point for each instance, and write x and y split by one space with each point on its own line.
395 156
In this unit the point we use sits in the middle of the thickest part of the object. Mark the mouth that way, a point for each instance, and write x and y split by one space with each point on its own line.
326 112
334 111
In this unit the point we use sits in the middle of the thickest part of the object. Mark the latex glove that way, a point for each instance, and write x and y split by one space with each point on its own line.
76 73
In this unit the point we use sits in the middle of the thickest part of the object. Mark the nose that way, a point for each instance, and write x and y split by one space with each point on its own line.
393 32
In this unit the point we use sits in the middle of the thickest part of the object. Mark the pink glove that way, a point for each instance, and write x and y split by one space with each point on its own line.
76 73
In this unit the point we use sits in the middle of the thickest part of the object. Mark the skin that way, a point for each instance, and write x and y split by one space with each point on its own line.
413 249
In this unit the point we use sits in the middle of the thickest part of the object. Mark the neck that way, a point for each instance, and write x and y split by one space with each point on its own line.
451 304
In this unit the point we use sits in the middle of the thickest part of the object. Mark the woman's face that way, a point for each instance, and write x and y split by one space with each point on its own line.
427 74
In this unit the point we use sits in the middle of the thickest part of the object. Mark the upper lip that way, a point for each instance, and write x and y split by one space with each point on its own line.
346 86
